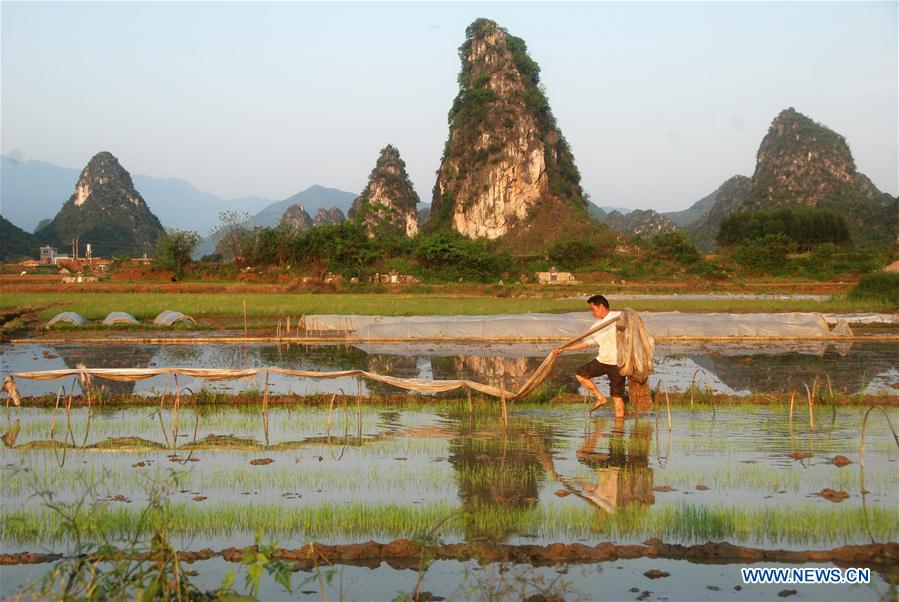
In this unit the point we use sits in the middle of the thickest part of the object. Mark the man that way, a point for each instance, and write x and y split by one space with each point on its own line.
606 361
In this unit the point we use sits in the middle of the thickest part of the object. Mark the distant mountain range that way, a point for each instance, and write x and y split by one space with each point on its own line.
32 191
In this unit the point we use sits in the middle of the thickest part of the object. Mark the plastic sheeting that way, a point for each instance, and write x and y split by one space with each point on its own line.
552 327
169 317
119 317
66 317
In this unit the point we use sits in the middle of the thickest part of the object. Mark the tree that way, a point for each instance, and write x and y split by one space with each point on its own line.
232 234
175 248
677 246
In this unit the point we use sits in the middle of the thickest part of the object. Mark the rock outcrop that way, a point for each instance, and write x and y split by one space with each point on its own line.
505 153
105 211
324 217
645 224
388 203
296 218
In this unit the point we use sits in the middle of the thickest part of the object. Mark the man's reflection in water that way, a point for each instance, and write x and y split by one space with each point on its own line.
623 476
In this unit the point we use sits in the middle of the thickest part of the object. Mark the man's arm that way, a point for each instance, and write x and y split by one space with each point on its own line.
573 347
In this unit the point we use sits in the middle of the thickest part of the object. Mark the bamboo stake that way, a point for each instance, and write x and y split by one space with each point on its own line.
502 396
811 407
469 400
792 399
668 406
245 318
175 414
265 408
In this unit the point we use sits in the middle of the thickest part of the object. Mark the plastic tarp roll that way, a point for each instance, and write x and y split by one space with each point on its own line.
551 327
66 317
119 317
169 317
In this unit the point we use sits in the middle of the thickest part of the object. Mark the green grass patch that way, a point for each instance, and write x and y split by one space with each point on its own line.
229 307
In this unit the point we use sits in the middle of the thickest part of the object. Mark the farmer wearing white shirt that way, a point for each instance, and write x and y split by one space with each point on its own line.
606 361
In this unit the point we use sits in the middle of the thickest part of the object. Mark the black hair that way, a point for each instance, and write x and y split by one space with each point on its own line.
598 300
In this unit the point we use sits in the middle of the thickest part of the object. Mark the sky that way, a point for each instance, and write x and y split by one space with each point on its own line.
660 102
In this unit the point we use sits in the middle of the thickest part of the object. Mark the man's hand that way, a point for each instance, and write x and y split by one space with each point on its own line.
558 350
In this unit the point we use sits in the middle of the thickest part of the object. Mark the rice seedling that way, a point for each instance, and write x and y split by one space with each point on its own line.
683 522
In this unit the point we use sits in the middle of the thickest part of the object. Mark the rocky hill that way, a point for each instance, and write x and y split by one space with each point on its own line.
106 211
505 154
313 198
15 243
30 192
324 217
296 218
388 203
801 162
638 222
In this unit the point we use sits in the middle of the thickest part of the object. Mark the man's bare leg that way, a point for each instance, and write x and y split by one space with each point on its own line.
588 384
619 406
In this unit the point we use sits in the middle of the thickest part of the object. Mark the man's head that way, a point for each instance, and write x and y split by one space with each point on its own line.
599 306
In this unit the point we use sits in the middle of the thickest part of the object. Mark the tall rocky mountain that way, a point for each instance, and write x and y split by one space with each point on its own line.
388 203
106 211
505 154
727 199
15 243
638 222
296 218
801 162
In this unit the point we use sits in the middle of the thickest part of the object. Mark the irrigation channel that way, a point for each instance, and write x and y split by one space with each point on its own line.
548 501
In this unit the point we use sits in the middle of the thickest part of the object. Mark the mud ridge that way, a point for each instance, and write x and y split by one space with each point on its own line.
405 553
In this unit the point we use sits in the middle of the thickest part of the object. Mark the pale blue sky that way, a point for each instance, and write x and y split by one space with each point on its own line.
661 102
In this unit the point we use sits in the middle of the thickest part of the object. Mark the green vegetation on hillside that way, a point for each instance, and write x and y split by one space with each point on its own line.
15 243
804 227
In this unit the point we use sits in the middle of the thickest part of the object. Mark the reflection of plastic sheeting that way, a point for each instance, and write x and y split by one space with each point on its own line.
66 317
886 383
679 373
169 317
119 317
817 348
561 326
507 350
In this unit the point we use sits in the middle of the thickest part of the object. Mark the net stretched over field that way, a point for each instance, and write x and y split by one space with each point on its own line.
84 375
555 327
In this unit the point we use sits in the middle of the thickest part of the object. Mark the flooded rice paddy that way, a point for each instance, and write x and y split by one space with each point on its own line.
552 475
451 473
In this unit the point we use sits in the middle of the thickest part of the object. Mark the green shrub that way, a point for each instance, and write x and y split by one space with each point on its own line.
675 245
451 256
880 285
767 254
